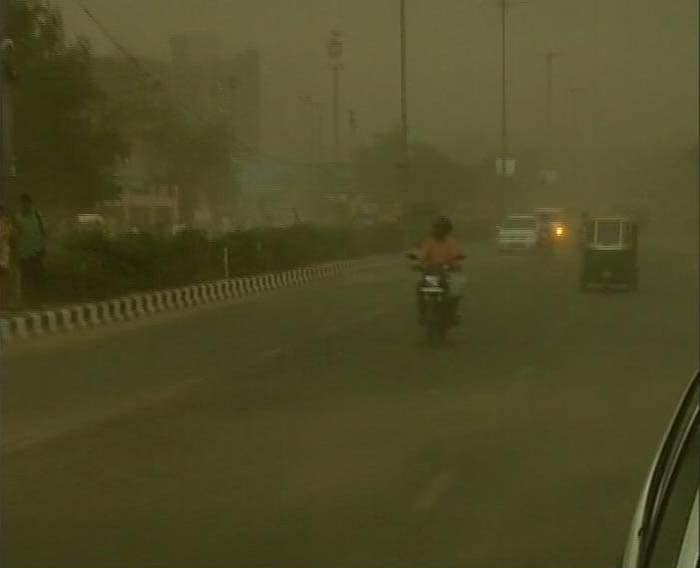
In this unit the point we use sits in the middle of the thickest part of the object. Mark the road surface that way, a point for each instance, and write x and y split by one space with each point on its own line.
313 427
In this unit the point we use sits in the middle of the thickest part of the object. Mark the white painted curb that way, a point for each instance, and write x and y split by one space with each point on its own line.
134 306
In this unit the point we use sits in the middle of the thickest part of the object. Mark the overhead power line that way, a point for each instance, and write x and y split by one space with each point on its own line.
239 145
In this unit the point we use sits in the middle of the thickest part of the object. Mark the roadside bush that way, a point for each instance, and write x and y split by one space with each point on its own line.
89 266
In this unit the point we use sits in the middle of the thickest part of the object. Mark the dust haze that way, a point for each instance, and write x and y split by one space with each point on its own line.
624 85
251 317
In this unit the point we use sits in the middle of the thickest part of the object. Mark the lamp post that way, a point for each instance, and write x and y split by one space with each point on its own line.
312 119
403 166
505 165
8 74
335 52
308 122
575 145
404 106
352 124
549 59
549 173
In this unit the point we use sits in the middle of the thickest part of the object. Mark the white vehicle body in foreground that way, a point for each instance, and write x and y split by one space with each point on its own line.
518 232
664 531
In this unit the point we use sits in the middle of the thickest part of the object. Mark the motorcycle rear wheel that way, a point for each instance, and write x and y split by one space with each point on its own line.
436 328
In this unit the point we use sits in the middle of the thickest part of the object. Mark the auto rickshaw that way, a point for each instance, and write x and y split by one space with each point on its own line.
610 254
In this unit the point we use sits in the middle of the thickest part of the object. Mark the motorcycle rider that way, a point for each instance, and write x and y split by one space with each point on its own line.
441 249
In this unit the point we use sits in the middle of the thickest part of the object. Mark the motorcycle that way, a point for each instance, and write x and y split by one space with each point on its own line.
436 306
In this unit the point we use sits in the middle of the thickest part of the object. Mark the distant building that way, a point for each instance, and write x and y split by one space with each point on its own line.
208 87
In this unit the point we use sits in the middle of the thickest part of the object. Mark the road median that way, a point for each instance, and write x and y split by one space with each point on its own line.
28 325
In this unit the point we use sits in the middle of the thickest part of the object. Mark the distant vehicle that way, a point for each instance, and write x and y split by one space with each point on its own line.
518 232
610 254
664 530
554 228
91 222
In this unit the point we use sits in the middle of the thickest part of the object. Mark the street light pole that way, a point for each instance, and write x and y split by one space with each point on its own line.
404 159
504 89
575 147
336 113
352 123
506 162
7 75
335 52
308 122
404 105
549 59
317 109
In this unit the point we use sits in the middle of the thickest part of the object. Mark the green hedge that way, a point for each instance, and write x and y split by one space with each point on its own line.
88 266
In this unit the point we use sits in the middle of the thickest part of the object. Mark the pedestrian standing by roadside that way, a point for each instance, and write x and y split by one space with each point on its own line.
7 261
31 249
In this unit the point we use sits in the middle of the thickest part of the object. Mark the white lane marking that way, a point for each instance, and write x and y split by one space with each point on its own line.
433 491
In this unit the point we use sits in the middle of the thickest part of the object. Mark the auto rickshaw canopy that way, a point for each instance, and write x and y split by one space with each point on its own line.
611 233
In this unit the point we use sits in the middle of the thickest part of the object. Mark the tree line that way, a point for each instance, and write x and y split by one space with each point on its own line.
70 132
77 117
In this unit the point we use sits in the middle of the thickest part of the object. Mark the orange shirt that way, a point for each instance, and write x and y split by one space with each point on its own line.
436 253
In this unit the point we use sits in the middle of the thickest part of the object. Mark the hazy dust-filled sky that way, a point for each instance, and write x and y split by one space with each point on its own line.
636 61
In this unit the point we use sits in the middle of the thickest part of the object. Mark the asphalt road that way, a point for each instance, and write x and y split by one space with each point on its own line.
313 427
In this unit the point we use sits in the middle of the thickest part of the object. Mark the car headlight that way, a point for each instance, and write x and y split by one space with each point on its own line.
559 231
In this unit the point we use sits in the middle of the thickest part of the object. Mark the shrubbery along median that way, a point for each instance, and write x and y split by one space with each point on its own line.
89 266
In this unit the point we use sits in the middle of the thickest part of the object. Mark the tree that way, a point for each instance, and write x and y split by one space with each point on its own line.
432 175
65 142
178 146
196 156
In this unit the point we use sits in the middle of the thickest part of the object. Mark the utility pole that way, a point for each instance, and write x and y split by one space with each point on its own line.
504 88
8 74
404 105
549 59
336 114
549 172
597 78
352 124
575 146
308 121
318 131
506 160
335 52
312 115
404 165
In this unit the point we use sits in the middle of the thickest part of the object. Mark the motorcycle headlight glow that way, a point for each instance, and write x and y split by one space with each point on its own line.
559 231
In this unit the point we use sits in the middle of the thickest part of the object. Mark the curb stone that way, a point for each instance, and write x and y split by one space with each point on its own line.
66 319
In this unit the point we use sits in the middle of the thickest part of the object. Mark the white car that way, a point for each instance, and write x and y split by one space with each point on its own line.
518 232
664 531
